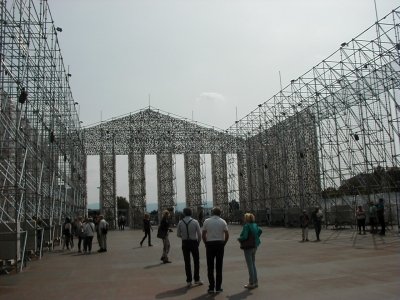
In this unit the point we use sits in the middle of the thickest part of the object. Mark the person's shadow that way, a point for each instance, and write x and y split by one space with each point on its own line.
242 295
172 293
238 296
154 266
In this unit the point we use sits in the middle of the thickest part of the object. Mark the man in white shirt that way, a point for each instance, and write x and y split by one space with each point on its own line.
215 235
189 231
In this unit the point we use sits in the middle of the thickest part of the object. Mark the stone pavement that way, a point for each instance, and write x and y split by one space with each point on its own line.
344 265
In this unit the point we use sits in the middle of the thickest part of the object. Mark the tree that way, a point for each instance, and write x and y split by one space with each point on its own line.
122 203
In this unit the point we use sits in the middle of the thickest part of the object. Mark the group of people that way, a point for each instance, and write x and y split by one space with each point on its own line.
316 220
375 212
121 222
85 230
214 234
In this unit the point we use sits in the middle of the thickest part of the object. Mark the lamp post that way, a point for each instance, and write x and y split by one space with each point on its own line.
100 200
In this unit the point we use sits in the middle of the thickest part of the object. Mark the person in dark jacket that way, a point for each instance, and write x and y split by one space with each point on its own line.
361 216
316 218
67 233
304 222
163 231
147 230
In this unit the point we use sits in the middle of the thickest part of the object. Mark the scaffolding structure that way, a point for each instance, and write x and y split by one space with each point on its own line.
151 131
331 137
42 160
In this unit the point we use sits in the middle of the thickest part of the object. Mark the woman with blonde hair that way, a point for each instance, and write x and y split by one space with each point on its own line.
250 239
162 233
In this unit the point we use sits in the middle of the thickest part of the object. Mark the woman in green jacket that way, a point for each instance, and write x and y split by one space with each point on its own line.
250 231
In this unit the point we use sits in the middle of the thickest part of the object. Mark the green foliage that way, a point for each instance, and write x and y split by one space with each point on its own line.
122 203
380 180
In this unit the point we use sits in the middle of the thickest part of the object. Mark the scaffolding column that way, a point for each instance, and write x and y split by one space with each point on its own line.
165 182
243 181
220 181
137 188
108 198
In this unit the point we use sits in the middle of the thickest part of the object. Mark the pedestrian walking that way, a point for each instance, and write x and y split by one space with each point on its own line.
163 232
147 230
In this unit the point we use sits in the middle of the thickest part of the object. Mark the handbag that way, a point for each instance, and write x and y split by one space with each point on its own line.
250 242
161 234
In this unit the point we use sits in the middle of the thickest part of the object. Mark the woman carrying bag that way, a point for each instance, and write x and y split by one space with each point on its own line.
249 241
162 233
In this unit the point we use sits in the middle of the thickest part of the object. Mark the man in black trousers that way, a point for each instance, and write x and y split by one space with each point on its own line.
189 231
215 236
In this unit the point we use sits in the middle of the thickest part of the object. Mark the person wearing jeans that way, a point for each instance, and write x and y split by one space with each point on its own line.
250 228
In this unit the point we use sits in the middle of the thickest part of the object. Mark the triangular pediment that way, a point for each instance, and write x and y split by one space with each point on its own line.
152 131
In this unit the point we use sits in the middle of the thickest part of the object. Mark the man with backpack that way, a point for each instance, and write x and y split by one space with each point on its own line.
189 231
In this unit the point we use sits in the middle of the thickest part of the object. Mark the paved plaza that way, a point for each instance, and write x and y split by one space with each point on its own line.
344 265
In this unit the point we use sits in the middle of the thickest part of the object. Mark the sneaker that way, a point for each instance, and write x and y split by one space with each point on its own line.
210 291
150 245
167 261
219 290
188 284
199 282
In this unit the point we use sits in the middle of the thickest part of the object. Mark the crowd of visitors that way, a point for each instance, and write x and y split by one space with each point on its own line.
85 230
214 233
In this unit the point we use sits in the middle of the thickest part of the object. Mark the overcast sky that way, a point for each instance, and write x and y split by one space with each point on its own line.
206 59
